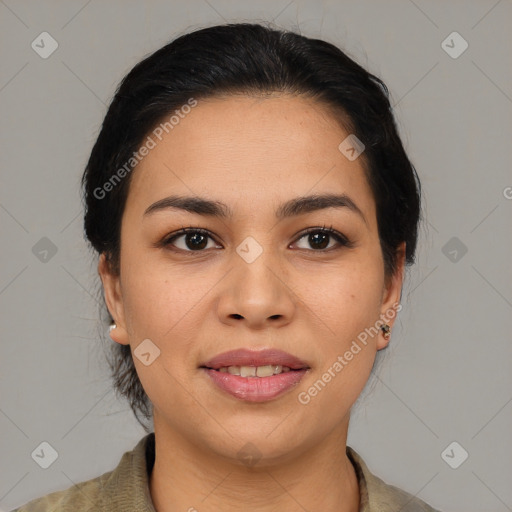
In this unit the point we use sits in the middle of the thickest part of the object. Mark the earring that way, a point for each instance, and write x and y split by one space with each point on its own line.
111 327
387 331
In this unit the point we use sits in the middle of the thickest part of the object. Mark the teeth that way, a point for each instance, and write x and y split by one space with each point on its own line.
255 371
247 371
266 371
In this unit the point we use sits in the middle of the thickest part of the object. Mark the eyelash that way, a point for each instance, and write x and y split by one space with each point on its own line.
341 239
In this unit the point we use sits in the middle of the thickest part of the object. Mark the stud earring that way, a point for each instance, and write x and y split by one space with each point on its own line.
387 331
111 327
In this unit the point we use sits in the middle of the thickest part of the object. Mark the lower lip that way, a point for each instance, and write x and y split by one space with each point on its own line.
255 389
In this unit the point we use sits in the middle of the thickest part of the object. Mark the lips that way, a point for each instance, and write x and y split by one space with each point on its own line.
245 357
255 376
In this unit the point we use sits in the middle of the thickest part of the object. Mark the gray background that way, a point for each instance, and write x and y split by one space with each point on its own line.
446 376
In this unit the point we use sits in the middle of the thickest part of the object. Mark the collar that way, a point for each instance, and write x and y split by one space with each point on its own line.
127 487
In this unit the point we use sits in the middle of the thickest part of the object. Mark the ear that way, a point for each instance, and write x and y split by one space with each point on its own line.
391 295
114 299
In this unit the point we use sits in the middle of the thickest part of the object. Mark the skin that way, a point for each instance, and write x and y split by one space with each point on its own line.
252 154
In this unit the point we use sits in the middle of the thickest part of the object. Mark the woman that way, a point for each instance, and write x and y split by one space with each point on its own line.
253 209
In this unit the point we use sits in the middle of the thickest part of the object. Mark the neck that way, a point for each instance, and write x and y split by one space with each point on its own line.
190 478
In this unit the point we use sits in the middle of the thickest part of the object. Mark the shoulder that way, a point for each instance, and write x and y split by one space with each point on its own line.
121 490
378 496
84 497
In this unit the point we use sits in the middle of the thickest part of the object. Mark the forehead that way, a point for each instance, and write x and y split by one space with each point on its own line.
250 151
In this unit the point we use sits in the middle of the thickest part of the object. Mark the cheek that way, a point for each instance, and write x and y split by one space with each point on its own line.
166 303
347 298
348 309
347 353
156 305
156 294
159 306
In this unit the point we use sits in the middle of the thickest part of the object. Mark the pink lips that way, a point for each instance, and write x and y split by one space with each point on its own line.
244 357
255 389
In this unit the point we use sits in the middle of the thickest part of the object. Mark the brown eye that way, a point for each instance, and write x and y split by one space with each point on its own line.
318 239
194 239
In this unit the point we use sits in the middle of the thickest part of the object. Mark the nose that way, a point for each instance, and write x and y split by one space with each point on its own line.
257 294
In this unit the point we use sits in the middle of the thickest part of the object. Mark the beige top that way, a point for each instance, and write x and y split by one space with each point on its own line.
126 489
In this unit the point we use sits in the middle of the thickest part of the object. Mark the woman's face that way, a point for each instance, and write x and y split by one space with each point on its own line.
255 281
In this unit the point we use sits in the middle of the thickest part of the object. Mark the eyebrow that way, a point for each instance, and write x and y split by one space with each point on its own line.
291 208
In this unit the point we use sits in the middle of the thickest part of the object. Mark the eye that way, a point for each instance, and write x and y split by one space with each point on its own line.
318 237
194 239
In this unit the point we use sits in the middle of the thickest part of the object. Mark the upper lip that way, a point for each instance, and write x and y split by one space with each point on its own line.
246 357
